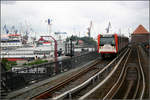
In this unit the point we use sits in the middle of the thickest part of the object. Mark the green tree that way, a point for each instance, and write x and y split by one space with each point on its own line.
73 38
86 40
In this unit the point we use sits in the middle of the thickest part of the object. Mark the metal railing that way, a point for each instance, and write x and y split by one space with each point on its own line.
90 80
31 74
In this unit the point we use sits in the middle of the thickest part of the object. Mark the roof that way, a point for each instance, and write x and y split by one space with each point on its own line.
41 39
47 42
110 35
14 59
80 42
140 30
13 34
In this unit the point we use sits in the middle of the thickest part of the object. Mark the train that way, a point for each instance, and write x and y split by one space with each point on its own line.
111 44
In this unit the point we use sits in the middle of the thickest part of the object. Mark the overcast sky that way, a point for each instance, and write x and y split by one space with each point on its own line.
75 16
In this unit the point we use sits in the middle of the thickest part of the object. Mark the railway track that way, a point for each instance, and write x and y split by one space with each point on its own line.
72 81
102 87
82 90
131 83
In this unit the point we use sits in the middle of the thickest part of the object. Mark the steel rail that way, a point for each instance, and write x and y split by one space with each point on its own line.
106 79
131 84
129 87
143 77
46 93
138 85
121 75
81 86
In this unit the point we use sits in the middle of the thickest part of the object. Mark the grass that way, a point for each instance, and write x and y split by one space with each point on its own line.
38 61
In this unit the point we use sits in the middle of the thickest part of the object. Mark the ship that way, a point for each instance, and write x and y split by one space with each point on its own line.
9 41
13 48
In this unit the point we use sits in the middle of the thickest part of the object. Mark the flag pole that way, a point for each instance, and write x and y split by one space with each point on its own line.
49 26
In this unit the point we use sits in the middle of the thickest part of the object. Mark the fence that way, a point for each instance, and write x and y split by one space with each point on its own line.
23 77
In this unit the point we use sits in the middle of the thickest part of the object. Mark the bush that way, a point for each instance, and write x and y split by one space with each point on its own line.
38 61
8 64
25 64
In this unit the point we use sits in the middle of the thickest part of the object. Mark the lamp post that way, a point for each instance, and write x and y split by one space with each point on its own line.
71 47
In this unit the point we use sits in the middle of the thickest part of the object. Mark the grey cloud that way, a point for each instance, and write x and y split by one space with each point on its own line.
77 17
8 2
134 4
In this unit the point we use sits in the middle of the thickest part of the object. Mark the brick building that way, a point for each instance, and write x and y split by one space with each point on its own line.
140 35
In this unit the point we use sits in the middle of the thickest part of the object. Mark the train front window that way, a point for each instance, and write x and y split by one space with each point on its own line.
107 40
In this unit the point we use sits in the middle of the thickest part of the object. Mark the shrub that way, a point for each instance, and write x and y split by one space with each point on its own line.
38 61
8 64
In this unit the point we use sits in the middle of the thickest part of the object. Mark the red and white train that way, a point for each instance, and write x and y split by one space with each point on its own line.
111 44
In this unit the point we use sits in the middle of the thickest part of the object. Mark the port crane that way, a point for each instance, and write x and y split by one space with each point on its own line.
89 29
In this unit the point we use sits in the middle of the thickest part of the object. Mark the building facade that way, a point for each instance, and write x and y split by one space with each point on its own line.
140 35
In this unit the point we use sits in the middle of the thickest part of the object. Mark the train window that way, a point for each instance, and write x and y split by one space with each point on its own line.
107 40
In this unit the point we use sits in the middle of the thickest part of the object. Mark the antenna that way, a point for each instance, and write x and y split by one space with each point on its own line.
49 25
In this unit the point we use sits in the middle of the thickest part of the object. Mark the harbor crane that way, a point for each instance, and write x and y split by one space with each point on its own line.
89 29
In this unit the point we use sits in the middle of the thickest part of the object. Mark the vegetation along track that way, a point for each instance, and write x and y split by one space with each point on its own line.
131 83
72 81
